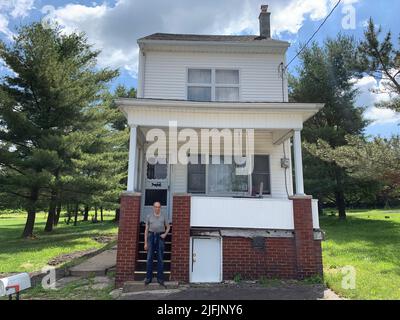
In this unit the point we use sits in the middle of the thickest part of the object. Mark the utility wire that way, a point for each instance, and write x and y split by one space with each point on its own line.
309 40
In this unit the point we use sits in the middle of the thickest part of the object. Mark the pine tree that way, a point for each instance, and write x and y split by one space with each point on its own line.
44 106
381 60
325 75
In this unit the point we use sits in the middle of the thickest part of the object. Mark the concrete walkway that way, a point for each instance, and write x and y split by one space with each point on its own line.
98 265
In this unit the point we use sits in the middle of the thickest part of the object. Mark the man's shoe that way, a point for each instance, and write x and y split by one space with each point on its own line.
161 282
146 282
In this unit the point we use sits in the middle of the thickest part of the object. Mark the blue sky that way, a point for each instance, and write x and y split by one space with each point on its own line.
114 25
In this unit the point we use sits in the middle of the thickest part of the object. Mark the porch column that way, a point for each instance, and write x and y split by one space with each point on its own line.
180 245
298 162
132 159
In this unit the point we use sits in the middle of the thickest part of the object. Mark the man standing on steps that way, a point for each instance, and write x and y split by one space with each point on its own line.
157 228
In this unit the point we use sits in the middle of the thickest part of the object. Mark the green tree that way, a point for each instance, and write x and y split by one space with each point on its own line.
45 105
375 160
380 59
325 75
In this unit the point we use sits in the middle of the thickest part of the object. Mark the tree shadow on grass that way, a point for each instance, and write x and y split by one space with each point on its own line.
60 238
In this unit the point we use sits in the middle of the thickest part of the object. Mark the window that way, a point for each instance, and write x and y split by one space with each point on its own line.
213 85
216 179
199 88
222 179
261 174
196 178
227 85
157 171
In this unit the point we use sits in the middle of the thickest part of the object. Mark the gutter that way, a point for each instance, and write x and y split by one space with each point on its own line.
270 106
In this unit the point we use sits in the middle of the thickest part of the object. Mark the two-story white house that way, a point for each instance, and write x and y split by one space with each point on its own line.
223 223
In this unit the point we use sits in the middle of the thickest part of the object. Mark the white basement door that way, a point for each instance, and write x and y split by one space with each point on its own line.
206 260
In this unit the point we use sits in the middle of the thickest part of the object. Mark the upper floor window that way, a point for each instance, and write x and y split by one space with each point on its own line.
213 85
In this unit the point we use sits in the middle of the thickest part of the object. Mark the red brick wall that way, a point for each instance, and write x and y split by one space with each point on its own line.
308 250
277 260
180 247
297 257
128 238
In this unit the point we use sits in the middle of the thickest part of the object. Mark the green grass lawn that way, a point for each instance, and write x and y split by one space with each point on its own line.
370 242
25 255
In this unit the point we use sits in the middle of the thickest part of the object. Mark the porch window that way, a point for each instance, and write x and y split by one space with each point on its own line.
222 179
261 174
216 178
213 85
196 178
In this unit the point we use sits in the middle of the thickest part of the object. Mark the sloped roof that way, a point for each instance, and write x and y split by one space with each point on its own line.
204 37
200 37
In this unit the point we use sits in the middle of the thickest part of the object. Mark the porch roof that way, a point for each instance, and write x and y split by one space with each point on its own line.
256 115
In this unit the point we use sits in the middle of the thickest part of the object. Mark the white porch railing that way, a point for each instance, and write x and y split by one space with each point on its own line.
241 213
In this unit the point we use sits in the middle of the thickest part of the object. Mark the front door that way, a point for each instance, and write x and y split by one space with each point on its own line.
156 188
206 260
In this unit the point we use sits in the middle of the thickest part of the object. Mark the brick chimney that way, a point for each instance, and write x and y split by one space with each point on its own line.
265 22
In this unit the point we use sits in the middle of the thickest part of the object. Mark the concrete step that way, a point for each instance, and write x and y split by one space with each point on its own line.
134 286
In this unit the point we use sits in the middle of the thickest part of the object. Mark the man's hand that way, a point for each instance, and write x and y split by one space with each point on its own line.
145 247
163 236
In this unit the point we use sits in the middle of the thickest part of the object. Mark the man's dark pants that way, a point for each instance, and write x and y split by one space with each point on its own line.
155 243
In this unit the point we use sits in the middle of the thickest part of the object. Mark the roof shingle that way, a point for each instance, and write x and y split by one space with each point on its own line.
200 37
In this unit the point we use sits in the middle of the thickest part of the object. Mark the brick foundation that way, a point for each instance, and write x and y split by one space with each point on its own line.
180 247
295 257
128 237
277 260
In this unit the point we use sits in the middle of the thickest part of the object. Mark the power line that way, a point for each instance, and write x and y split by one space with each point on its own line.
309 40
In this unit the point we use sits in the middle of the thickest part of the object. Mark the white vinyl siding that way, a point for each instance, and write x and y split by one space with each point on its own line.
166 73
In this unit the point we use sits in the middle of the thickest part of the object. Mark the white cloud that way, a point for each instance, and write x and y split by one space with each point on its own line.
21 8
115 28
370 93
4 26
14 9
